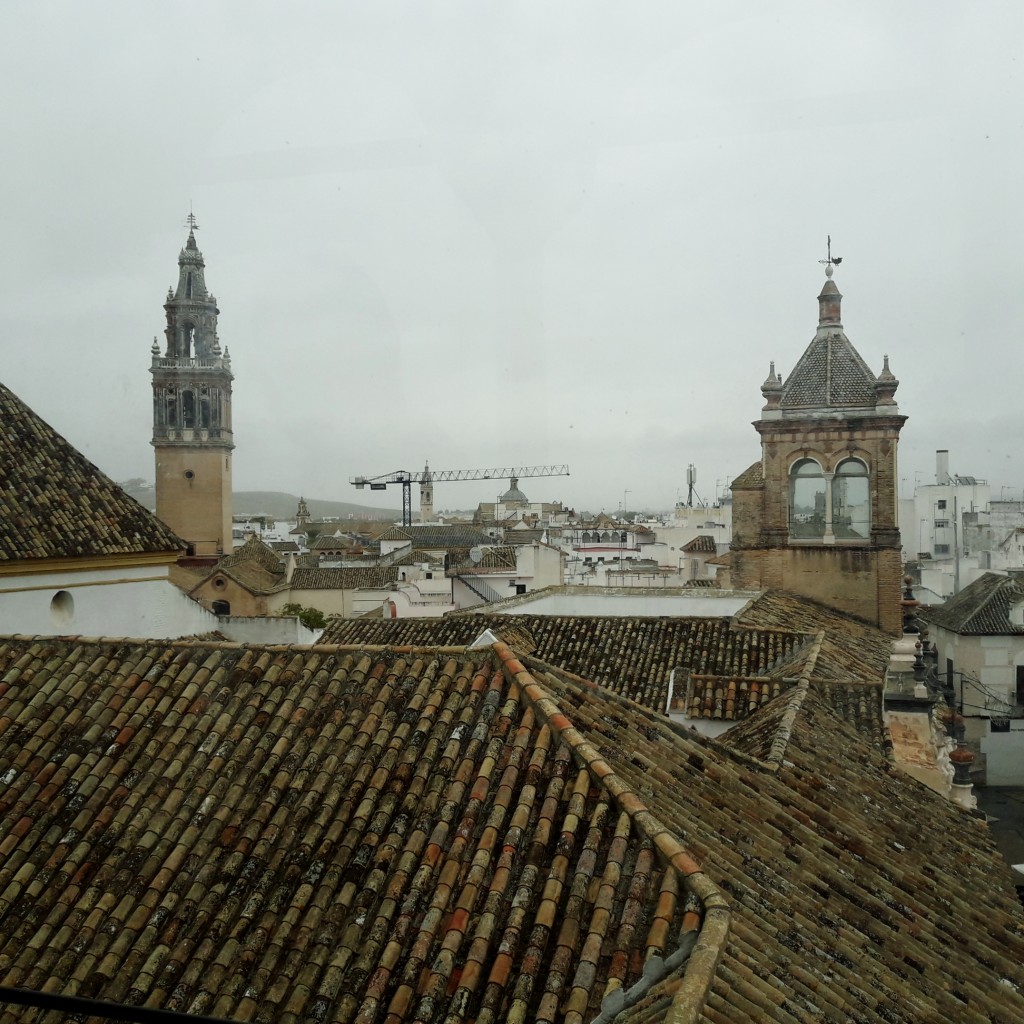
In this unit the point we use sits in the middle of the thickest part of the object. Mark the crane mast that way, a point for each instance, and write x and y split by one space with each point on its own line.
428 477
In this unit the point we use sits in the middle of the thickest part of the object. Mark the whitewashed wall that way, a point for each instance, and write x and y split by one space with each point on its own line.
122 602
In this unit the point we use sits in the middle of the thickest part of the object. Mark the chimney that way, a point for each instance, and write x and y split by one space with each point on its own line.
942 466
289 567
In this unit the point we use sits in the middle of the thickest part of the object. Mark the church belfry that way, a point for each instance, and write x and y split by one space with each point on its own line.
817 514
192 412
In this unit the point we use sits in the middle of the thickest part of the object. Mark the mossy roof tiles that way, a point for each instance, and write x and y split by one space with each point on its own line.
429 536
54 503
851 651
982 608
255 551
630 656
335 834
344 578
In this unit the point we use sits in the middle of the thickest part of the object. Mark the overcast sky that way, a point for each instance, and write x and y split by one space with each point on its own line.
487 234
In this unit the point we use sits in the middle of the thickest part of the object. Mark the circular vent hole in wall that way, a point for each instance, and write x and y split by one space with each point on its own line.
62 608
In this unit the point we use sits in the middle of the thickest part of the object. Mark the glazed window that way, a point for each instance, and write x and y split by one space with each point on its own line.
806 500
851 501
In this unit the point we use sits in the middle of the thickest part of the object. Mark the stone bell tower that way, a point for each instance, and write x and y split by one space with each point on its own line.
817 513
192 412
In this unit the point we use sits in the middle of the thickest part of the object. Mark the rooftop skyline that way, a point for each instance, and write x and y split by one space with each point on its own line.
515 235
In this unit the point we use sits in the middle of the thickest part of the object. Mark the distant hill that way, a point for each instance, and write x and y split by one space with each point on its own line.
274 504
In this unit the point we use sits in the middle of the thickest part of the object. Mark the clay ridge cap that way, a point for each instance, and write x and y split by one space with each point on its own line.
702 965
776 754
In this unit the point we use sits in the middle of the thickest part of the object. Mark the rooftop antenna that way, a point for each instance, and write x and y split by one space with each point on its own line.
831 261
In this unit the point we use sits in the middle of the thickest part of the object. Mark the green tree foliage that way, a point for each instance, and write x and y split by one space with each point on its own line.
311 618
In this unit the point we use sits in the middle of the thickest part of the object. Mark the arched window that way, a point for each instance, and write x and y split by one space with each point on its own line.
806 500
188 409
851 501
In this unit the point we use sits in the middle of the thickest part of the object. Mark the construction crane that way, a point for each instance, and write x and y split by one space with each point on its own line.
428 477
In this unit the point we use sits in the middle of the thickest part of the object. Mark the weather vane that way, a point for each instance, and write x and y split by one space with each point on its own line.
832 261
190 220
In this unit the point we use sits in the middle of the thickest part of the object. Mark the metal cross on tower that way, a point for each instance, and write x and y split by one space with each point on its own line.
190 220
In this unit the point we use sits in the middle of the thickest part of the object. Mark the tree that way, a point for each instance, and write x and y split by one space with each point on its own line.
311 618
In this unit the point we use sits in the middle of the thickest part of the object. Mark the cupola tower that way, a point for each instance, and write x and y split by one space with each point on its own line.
192 412
817 513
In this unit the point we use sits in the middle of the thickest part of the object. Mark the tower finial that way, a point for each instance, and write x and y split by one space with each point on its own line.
831 261
190 220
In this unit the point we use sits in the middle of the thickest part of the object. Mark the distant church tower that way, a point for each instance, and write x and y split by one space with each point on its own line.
426 495
817 515
192 413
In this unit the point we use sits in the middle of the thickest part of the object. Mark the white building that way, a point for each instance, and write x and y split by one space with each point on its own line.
77 554
932 528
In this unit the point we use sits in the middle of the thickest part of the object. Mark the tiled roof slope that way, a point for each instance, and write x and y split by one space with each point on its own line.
291 834
752 476
851 651
284 835
703 542
255 551
54 503
630 656
500 557
982 608
830 373
429 536
346 578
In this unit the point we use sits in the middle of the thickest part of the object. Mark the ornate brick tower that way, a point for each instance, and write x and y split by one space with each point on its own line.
192 413
817 515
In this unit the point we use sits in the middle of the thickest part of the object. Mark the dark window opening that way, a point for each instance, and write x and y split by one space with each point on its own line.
188 409
221 607
188 286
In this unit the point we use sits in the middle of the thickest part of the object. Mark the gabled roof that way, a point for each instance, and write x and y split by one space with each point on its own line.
54 503
851 651
702 543
982 608
289 834
499 557
256 552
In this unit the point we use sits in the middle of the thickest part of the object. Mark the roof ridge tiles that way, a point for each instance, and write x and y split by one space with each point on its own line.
716 908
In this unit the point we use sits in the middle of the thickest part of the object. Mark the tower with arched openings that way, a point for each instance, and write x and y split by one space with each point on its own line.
817 514
192 434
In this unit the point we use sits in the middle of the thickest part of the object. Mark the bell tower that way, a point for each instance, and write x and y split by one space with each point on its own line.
817 514
192 412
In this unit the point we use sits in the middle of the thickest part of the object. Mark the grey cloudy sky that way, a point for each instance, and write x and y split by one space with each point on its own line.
515 233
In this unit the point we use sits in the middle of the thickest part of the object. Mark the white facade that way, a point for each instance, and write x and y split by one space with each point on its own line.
932 528
987 667
122 601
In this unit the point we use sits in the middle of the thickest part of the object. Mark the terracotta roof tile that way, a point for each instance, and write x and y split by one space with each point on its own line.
54 503
345 578
630 656
982 608
429 536
703 542
326 833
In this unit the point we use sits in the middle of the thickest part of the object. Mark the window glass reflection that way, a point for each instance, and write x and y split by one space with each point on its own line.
807 500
